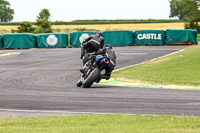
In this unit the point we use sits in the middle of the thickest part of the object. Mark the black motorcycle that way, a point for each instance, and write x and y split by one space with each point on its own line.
94 72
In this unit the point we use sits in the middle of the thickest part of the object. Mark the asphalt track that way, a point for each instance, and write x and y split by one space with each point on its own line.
42 82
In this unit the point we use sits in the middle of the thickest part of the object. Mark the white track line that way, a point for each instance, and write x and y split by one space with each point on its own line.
7 54
77 113
133 53
43 111
49 111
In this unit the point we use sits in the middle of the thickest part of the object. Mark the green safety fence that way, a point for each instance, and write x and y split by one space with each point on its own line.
118 38
1 41
19 40
52 40
149 37
77 37
179 36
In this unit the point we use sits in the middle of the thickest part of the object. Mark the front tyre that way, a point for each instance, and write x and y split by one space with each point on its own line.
94 75
79 83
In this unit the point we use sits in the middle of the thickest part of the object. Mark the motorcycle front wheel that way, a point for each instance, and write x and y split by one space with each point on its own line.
93 76
79 83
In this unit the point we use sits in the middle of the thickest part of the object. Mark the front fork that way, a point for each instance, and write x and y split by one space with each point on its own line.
84 75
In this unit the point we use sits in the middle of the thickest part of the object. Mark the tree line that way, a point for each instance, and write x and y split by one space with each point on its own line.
125 21
186 10
91 22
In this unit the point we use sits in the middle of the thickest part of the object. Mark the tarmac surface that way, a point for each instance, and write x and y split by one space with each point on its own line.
42 82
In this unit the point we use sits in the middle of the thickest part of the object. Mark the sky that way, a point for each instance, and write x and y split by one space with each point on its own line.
68 10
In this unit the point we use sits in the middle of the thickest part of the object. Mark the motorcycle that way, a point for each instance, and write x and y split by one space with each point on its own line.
95 72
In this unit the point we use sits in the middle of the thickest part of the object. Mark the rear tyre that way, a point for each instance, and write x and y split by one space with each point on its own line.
93 76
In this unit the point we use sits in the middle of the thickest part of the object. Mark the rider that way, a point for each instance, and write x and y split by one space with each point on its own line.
110 53
91 44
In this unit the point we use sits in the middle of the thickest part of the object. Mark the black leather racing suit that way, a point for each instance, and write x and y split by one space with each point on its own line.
110 53
91 44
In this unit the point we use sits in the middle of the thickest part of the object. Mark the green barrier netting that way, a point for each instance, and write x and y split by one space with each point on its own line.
52 40
149 37
177 36
118 38
1 41
19 40
77 37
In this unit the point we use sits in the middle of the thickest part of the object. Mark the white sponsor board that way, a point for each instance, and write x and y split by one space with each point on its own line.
52 40
149 36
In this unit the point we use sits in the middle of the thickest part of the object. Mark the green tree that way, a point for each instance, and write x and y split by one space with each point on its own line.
43 23
193 16
176 9
6 13
44 26
186 10
44 14
26 27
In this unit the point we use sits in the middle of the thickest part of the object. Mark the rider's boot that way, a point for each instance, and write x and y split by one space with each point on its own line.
82 70
98 80
106 76
85 68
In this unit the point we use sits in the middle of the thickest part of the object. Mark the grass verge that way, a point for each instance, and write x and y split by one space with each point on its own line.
181 69
101 124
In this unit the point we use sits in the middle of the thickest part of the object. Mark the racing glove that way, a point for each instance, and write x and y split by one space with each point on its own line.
100 51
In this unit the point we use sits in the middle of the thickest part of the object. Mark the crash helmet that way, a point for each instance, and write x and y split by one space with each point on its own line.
97 32
107 46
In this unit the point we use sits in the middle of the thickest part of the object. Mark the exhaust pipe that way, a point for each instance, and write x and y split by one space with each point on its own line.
104 61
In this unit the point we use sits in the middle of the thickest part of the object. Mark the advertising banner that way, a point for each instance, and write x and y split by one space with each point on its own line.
118 38
52 40
19 40
76 38
1 41
149 37
181 36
